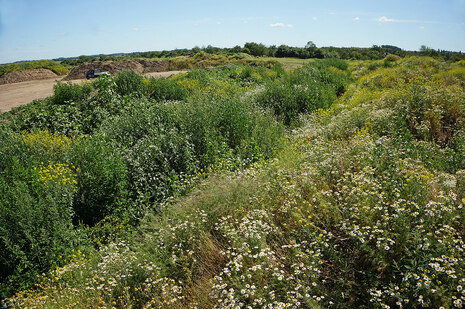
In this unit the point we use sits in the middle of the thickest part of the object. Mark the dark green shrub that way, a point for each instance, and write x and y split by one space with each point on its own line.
140 118
309 88
65 93
200 119
266 137
35 229
318 71
288 98
165 89
334 62
235 121
128 83
102 180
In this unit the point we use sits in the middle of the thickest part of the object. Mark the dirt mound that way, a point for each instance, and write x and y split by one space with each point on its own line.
26 75
154 66
138 66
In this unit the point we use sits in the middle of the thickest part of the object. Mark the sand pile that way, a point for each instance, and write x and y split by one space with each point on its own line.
26 75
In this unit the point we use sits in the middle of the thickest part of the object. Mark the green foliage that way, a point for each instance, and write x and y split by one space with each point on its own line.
165 89
56 67
35 208
362 207
102 181
314 86
158 154
392 58
128 82
65 93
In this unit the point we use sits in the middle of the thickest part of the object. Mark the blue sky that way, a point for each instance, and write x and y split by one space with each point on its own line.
44 29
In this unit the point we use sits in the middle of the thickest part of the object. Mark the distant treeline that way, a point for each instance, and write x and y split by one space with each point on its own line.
258 49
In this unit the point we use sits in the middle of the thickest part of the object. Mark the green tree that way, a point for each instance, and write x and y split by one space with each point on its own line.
256 49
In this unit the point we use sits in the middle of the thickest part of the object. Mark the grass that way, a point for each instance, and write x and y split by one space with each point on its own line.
288 63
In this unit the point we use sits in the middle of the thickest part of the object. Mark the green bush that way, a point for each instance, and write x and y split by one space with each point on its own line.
158 152
160 163
392 58
129 82
36 212
102 180
333 62
65 93
311 87
35 229
165 89
290 98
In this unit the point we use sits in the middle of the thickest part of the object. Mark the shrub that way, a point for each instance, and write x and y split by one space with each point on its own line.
165 89
159 164
65 93
35 228
392 58
334 62
158 152
129 82
102 180
308 89
35 206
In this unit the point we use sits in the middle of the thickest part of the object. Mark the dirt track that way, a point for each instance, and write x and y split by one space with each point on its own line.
12 95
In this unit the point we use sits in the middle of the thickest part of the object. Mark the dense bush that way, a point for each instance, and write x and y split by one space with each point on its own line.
312 87
165 89
65 93
102 180
128 82
35 205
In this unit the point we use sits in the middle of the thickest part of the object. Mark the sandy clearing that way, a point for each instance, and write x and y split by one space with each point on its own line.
13 95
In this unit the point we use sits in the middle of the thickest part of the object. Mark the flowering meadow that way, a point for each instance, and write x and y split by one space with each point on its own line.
335 185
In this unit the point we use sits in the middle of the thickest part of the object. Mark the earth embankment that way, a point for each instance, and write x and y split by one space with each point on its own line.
26 75
114 67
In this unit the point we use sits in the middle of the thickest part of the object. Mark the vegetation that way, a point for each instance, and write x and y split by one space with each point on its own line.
336 185
252 49
57 67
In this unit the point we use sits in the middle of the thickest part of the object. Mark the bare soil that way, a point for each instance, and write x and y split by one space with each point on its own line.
138 66
26 75
16 94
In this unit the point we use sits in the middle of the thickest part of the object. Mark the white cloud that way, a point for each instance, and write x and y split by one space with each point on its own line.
218 23
281 25
135 29
314 18
357 18
384 19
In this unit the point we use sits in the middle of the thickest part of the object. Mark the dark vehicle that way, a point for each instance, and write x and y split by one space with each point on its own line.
95 73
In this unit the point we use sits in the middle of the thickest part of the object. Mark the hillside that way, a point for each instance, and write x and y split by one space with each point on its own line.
335 185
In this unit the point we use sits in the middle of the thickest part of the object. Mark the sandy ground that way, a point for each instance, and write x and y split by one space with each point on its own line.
12 95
